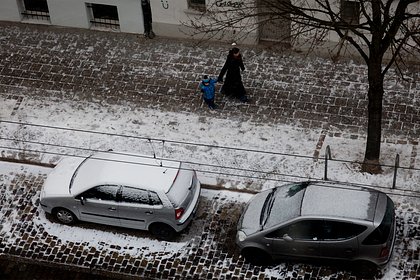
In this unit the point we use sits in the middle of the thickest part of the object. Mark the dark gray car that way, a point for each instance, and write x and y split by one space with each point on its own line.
318 220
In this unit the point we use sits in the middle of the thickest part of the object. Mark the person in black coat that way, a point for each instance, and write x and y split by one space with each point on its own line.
233 85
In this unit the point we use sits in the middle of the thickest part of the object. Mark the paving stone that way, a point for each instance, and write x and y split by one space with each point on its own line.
284 88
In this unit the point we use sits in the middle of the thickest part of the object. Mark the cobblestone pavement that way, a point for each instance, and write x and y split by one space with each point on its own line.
20 269
208 250
52 63
284 88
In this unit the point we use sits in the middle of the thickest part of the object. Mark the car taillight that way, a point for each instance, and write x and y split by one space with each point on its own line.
178 213
384 252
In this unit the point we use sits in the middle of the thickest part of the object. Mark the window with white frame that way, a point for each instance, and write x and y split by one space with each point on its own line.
197 5
35 9
103 16
350 11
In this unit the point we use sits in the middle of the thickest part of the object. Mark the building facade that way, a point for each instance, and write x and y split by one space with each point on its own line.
111 15
168 16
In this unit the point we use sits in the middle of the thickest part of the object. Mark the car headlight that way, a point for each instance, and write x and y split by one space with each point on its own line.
241 236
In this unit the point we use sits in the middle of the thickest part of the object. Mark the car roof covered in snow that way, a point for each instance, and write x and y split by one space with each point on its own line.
332 200
322 200
140 171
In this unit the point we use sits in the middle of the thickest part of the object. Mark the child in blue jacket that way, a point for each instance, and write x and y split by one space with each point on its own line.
208 88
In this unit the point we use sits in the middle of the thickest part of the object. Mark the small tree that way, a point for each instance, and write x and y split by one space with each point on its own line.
383 33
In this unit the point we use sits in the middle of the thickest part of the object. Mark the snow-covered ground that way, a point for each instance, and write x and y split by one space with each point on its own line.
101 240
229 153
145 247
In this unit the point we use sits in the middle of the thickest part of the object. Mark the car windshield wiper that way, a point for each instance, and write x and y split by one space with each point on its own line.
266 210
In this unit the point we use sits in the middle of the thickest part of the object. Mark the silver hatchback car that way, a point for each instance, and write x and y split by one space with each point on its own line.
318 220
126 190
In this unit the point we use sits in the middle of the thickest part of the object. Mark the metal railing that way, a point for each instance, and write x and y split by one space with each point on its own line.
225 162
396 167
105 23
38 15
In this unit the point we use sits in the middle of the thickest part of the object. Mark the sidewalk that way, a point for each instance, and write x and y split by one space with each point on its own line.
124 85
115 68
123 75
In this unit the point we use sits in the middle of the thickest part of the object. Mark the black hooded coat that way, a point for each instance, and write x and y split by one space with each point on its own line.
233 82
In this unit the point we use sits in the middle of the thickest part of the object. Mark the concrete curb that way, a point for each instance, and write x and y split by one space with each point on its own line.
50 165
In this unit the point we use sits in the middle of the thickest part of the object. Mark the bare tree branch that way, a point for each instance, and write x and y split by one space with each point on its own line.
376 29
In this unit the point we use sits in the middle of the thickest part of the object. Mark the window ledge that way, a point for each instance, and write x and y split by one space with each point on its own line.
36 21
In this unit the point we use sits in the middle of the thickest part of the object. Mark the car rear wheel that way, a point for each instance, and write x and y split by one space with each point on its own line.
256 256
65 216
162 231
365 269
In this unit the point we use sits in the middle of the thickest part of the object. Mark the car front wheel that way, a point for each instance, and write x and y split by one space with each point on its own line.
65 216
256 256
162 231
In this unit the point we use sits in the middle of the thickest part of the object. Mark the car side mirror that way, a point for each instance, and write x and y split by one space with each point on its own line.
286 237
82 200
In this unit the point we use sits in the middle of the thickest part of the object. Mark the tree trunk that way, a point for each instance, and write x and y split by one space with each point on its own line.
375 96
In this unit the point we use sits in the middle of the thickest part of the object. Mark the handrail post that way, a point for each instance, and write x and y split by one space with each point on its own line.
397 164
327 157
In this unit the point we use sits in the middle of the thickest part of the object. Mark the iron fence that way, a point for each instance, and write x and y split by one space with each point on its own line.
38 15
398 171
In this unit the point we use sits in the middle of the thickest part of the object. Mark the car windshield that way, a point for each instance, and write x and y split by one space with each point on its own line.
268 204
285 204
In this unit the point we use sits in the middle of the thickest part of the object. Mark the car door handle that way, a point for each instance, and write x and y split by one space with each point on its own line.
149 212
112 209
